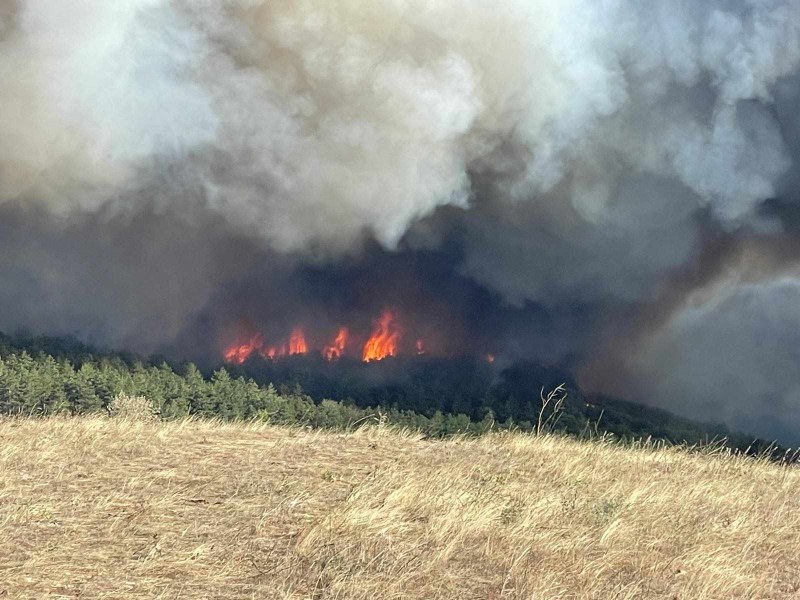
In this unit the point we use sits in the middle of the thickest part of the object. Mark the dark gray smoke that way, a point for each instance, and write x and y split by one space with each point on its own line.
609 183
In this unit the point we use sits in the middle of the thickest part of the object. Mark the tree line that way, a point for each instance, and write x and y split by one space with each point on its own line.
44 376
44 385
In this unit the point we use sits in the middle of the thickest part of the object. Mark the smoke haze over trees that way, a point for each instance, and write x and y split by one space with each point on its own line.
611 186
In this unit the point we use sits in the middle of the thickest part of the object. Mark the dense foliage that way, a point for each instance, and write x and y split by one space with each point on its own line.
436 396
41 384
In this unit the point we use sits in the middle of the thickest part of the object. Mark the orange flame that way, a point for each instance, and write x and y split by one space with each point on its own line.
384 340
297 342
490 358
337 346
239 353
420 347
274 352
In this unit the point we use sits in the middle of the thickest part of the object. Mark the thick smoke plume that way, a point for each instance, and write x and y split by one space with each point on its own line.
610 183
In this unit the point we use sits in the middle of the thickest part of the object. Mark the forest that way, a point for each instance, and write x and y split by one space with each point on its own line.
439 397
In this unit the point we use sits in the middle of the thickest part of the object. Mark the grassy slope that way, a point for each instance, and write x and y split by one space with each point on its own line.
94 507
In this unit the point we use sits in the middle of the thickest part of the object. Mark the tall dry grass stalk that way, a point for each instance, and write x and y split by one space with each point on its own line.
132 408
107 508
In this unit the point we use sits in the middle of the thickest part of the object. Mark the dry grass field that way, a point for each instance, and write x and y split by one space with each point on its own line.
109 508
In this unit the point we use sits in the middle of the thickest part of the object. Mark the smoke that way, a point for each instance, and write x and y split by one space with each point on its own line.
732 359
572 178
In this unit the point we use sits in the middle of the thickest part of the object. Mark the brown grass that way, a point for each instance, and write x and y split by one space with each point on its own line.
105 508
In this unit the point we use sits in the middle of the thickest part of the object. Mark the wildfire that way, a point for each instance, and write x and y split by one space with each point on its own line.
336 348
238 354
384 340
274 352
297 342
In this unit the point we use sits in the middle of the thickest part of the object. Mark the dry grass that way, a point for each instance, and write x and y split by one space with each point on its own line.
132 408
105 508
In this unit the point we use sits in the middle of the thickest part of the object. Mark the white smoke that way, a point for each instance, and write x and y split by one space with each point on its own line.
313 122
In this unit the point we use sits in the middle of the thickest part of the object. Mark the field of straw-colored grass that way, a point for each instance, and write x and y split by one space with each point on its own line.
108 508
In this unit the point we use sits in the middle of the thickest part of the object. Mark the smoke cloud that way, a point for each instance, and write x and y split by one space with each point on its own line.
610 183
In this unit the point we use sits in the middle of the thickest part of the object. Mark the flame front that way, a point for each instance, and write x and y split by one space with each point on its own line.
385 338
297 342
335 349
239 353
384 342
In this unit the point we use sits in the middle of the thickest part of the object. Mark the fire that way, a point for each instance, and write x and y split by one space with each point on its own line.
297 342
385 338
336 348
490 358
239 353
384 342
274 352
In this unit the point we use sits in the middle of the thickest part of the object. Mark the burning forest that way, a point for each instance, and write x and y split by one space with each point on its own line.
564 224
384 342
605 188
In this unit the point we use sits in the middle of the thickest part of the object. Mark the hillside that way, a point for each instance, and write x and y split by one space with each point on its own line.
439 396
96 507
